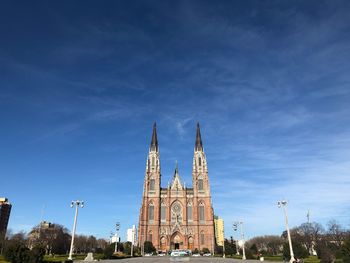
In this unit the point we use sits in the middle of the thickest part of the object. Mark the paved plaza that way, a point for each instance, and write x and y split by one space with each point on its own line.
168 259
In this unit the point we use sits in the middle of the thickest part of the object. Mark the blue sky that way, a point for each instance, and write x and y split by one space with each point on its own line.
82 82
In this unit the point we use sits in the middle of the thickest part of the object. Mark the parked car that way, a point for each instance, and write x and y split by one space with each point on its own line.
206 255
148 254
196 255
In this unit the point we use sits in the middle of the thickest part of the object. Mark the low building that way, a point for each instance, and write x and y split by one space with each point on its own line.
219 231
131 235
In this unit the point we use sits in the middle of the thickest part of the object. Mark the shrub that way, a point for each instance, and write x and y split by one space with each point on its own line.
148 247
205 250
37 254
299 250
345 250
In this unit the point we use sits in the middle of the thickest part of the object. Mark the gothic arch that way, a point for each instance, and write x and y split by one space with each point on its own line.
190 243
163 243
150 236
176 201
177 240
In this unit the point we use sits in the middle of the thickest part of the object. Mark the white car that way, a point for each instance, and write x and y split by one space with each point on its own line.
148 254
196 255
206 255
175 254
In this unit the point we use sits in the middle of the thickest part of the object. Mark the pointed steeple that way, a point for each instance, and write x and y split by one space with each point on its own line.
176 169
154 142
176 183
198 145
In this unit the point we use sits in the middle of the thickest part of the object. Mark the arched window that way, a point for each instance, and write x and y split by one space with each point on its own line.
153 160
163 213
202 237
151 184
151 212
200 184
189 212
199 161
150 236
201 212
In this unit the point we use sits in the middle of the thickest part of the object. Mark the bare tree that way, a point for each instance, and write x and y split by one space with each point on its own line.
310 234
336 233
271 244
54 237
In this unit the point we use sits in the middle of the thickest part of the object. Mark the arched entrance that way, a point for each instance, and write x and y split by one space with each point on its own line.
190 243
163 244
176 241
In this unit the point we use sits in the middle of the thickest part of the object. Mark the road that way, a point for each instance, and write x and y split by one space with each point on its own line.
169 259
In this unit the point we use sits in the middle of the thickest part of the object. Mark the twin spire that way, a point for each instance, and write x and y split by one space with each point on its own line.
198 144
154 142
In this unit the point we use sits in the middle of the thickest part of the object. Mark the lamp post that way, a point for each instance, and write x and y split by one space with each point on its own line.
283 204
235 229
223 245
235 225
133 240
117 227
76 203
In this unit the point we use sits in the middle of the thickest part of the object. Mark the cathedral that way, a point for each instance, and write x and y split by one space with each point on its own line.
177 216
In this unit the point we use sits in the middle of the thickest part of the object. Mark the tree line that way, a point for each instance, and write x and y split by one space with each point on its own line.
329 244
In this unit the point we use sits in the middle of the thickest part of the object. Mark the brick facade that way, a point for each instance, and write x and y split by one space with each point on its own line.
177 217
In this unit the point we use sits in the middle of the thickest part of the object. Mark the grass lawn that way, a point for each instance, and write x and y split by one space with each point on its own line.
60 258
2 260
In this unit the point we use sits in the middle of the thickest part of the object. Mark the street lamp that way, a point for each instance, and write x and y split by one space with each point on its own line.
223 245
76 203
117 227
283 204
235 229
235 226
133 240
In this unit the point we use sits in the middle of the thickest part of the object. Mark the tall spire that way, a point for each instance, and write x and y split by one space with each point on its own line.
198 145
154 142
176 169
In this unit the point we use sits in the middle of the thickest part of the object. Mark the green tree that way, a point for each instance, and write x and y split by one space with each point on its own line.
127 248
109 251
37 254
17 252
230 247
345 250
324 252
299 250
148 247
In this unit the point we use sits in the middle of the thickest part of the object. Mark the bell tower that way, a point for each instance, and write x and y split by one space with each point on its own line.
152 176
150 209
200 168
